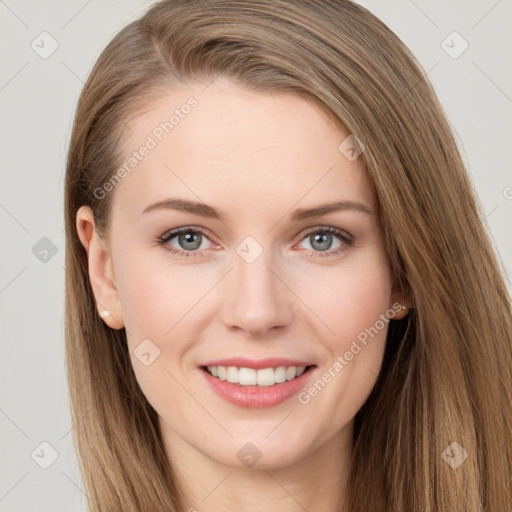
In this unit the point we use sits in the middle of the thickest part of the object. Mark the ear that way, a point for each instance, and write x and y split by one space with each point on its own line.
100 269
398 298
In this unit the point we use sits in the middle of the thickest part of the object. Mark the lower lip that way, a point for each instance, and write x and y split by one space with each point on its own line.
257 397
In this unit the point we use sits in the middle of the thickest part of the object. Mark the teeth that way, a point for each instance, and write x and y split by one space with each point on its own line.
252 377
232 374
246 376
222 370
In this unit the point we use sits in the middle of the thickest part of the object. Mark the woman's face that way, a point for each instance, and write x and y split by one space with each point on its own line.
262 270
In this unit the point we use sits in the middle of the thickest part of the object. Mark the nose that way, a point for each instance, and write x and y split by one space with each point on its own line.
255 300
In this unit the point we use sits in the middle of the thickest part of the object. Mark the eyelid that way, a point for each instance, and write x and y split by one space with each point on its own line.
172 233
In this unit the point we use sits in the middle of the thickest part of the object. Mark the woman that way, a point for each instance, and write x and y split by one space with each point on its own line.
280 294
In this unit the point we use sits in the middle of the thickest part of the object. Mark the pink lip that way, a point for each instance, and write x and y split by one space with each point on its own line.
269 362
257 397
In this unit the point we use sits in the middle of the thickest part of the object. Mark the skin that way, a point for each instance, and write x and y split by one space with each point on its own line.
255 157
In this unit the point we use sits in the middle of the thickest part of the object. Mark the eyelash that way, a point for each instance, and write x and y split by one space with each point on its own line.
341 235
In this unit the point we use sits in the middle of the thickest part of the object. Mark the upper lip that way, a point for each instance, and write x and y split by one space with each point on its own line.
269 362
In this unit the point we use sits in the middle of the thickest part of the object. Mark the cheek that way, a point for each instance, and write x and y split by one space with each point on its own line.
157 295
157 300
347 298
364 300
353 306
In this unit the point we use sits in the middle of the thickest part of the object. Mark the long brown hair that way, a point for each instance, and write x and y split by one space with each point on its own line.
446 378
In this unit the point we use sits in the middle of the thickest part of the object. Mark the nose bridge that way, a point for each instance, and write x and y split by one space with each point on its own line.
257 301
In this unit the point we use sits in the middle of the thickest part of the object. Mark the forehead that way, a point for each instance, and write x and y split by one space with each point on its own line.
240 147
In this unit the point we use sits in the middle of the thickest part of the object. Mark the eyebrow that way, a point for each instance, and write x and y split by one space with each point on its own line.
204 210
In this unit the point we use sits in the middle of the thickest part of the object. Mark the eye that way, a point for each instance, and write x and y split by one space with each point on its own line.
321 240
188 241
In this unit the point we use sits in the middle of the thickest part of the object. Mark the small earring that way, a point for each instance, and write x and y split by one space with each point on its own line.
106 312
402 312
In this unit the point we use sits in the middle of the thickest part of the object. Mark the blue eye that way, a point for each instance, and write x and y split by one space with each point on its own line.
321 240
191 241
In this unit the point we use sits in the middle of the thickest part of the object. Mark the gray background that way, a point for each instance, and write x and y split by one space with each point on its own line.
37 100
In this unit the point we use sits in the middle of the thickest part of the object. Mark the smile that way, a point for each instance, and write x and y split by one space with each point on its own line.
257 388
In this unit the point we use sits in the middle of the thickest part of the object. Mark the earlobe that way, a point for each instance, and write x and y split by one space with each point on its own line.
100 269
400 305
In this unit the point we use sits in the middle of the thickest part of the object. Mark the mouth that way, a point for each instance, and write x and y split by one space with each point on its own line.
256 378
256 388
